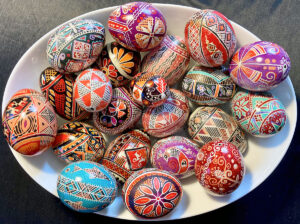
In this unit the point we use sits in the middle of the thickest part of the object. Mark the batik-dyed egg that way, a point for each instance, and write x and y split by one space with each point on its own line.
259 114
93 90
122 113
86 186
149 90
175 154
219 167
170 59
138 26
77 141
58 89
127 153
119 63
75 45
210 38
211 123
151 193
259 66
167 118
29 122
208 86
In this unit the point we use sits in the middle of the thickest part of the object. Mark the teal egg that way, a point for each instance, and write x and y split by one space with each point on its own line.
86 186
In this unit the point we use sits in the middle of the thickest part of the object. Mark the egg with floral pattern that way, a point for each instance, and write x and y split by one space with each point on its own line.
138 26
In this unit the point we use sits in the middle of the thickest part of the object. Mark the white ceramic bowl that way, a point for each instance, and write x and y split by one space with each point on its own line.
263 154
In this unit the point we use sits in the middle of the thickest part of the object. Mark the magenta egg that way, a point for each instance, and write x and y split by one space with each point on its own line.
260 66
138 26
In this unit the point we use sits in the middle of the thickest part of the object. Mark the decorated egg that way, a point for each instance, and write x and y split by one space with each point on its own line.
219 167
211 123
149 89
127 153
119 63
259 66
58 89
170 59
167 118
75 45
93 90
208 86
121 113
77 141
175 154
86 186
29 122
151 193
259 114
210 38
138 26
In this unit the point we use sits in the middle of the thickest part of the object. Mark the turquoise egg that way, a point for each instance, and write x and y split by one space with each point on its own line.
86 186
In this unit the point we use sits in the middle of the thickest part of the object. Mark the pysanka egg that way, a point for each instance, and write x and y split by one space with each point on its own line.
138 26
167 118
149 89
127 153
75 45
211 123
260 114
122 113
259 66
29 122
78 141
58 89
119 63
219 167
170 59
86 186
93 90
210 38
175 154
208 86
151 193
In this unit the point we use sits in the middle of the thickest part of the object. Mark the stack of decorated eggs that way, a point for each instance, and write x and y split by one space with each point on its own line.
111 92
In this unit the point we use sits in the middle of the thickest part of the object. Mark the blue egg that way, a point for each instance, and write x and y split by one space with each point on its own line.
86 186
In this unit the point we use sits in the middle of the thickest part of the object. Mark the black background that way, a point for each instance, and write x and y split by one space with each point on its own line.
22 22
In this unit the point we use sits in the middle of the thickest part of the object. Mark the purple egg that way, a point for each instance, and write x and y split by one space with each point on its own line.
138 26
259 66
175 154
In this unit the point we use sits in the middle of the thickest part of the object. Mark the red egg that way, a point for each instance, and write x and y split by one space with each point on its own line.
219 167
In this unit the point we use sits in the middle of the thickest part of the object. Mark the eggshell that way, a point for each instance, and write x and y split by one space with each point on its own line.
149 89
259 114
219 167
211 123
58 90
170 59
151 193
29 122
208 86
77 141
119 63
138 26
127 153
122 113
259 66
175 154
75 45
210 38
93 90
86 186
168 118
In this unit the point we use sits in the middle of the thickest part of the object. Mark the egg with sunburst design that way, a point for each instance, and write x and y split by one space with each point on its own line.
118 63
138 26
151 193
